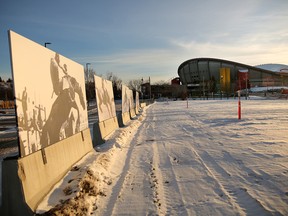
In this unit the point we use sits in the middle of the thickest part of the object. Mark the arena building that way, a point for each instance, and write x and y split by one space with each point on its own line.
210 75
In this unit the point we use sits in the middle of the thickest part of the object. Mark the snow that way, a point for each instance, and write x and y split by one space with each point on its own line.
268 88
174 160
273 67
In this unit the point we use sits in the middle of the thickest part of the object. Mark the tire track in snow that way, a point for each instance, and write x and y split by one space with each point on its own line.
133 176
140 176
252 179
230 199
169 197
240 195
201 135
118 187
175 190
137 194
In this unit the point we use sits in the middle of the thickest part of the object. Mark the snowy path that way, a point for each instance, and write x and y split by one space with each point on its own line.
175 160
203 161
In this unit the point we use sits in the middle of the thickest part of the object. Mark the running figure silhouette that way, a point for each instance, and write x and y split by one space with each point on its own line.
63 121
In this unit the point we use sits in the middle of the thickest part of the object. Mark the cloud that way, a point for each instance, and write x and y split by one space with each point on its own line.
246 46
132 64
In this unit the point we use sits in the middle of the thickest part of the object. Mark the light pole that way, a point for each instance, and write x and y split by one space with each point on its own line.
46 43
87 74
150 88
142 89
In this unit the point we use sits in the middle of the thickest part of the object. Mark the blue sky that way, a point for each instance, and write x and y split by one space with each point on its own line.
135 39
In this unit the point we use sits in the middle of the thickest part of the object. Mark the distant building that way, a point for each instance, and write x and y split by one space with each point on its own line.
146 90
175 90
175 81
209 75
6 90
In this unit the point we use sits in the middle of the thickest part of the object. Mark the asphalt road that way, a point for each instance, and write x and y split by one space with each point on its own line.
8 135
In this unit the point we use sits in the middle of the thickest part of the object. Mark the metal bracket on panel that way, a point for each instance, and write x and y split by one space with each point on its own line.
44 158
82 134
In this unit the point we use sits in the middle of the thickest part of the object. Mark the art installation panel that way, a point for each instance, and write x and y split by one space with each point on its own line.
137 100
104 98
50 94
125 99
131 99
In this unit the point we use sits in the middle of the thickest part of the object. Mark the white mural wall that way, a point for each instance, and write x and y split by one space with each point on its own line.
131 99
125 99
50 94
137 102
104 98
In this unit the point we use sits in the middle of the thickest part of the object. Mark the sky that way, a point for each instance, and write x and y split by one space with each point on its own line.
136 39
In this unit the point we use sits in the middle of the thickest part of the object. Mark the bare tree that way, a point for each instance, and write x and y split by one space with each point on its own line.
6 90
116 84
90 84
161 82
116 81
91 73
135 84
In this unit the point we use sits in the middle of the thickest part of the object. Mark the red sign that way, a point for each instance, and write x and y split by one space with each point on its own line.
243 81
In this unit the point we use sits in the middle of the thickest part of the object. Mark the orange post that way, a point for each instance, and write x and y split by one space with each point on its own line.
239 104
239 109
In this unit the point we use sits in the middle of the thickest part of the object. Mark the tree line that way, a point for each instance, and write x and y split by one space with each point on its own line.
6 89
7 93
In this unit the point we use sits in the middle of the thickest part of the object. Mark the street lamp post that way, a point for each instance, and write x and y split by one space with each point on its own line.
87 74
86 82
46 43
150 88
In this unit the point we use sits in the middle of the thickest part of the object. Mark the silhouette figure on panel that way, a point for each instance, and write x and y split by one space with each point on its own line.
64 112
25 108
126 101
29 124
104 99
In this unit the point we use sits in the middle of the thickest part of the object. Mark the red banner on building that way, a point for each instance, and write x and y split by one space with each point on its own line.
243 81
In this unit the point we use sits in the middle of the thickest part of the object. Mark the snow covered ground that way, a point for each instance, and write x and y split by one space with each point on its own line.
268 88
174 160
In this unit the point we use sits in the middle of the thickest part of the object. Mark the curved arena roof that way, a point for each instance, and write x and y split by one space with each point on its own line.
199 70
274 67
